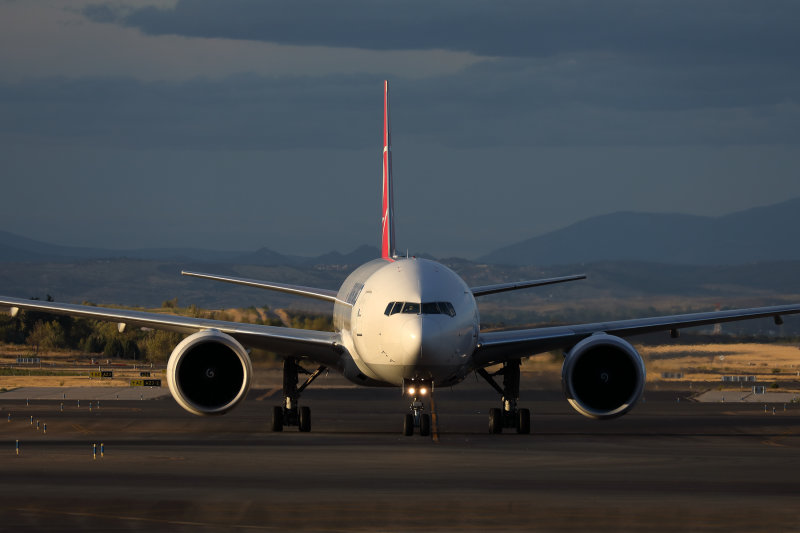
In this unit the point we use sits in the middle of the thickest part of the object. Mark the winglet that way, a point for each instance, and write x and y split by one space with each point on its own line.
387 218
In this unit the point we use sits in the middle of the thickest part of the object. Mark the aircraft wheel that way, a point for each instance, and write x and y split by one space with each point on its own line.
305 419
495 420
408 425
277 418
424 424
524 421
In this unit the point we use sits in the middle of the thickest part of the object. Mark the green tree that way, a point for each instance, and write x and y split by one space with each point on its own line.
93 343
47 335
113 348
156 346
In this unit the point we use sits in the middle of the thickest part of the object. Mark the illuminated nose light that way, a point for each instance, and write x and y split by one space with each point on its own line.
412 390
423 391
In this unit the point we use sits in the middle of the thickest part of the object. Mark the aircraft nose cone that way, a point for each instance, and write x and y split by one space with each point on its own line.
421 341
411 340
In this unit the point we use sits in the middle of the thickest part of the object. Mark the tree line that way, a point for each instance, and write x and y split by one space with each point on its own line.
45 332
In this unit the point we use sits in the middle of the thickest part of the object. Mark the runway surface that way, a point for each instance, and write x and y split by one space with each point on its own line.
667 466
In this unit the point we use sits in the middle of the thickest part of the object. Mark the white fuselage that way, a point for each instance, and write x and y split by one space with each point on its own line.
410 318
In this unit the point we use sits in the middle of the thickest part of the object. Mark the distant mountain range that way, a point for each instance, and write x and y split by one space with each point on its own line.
614 289
756 235
17 249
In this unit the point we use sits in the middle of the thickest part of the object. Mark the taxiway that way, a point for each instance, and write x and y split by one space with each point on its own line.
667 466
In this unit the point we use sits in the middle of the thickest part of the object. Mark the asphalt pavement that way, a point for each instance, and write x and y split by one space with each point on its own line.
669 465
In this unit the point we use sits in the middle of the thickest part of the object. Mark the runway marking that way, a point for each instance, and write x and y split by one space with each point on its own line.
270 393
80 429
142 519
434 422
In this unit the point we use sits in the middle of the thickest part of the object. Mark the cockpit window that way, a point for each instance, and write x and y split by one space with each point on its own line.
427 308
438 308
430 308
393 308
410 308
447 308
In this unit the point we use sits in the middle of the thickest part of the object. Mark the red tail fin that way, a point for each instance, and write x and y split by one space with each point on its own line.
387 221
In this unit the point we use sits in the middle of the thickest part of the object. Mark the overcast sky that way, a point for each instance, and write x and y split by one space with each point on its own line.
256 123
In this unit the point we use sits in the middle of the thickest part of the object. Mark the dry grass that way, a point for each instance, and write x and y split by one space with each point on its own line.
707 363
703 364
14 382
71 367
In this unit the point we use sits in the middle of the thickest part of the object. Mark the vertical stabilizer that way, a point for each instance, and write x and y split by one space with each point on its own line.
387 220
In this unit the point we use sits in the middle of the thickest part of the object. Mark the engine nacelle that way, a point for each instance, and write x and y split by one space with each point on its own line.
603 376
209 373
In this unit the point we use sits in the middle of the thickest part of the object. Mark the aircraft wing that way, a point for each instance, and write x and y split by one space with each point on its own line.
503 287
323 347
498 346
299 290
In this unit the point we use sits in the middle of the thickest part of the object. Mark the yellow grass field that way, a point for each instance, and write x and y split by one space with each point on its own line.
703 364
69 368
706 363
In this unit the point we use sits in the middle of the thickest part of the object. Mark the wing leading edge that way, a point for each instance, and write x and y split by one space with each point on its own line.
515 286
323 347
498 346
299 290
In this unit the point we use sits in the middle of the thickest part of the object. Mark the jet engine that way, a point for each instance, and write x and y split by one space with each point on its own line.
209 373
603 376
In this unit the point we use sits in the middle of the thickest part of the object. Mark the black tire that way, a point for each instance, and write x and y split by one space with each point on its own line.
305 419
277 418
524 421
408 425
495 420
424 424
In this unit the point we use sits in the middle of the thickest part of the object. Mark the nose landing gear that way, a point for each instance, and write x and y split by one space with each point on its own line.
509 416
417 389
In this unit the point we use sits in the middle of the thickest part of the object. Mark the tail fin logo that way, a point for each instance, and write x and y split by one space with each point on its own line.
387 221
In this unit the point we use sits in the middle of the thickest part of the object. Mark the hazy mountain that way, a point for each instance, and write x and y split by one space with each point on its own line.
762 234
15 248
18 249
612 290
359 256
756 235
267 257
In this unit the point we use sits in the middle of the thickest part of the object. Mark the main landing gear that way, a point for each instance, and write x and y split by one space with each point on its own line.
417 389
290 413
509 416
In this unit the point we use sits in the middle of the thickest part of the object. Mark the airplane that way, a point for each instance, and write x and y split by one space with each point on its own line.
402 322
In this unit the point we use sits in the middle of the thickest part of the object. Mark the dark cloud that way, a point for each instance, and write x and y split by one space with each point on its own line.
564 72
677 30
594 101
240 112
583 108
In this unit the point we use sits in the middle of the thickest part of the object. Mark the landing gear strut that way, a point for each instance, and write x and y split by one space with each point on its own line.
509 416
417 389
290 413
